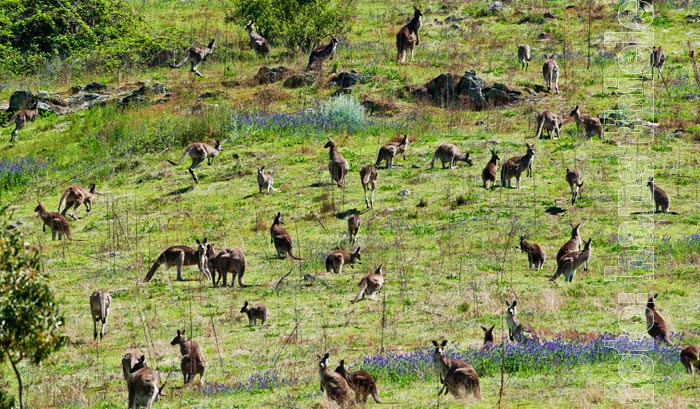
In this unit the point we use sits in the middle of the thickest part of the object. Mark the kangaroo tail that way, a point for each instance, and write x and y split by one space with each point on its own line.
103 308
540 125
293 256
432 163
375 395
503 175
154 267
62 200
12 119
182 158
181 63
359 295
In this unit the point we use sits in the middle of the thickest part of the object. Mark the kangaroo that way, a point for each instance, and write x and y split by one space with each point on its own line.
408 37
321 54
548 121
143 388
20 119
389 150
690 358
361 382
516 165
132 361
449 153
354 222
193 361
57 222
257 42
661 199
338 166
368 178
573 244
75 196
591 124
335 386
100 301
281 239
518 331
264 181
457 377
336 259
524 56
255 313
550 71
535 255
657 59
227 260
573 178
488 175
570 262
199 151
656 325
195 55
488 338
176 256
370 285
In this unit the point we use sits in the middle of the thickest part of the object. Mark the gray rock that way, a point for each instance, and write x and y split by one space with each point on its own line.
42 95
298 81
349 79
95 86
404 192
20 100
495 7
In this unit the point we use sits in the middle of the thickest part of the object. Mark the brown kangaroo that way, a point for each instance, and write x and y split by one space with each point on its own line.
335 386
408 37
227 260
354 222
199 151
488 175
76 195
195 55
550 71
176 256
524 56
143 388
361 382
100 301
338 166
457 377
281 239
389 150
368 178
573 178
488 338
516 165
257 42
57 222
573 244
449 153
321 54
661 199
255 313
132 361
264 181
535 255
518 331
656 325
690 358
336 259
193 361
591 124
570 262
657 60
548 121
370 285
20 119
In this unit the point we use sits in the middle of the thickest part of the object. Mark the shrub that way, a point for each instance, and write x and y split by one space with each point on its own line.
343 110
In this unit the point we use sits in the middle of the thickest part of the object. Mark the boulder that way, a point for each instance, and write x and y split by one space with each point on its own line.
469 92
495 7
378 107
349 79
20 100
267 75
95 87
299 80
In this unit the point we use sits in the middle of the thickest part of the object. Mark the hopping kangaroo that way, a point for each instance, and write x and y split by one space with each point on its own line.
548 121
336 259
132 361
337 166
195 55
321 54
335 386
573 178
550 71
571 261
255 313
226 260
74 196
368 178
407 37
488 338
389 150
449 153
370 285
661 199
20 119
57 222
656 325
516 165
518 331
281 239
264 181
176 256
591 124
690 358
192 361
143 388
535 255
524 56
488 175
457 377
354 222
199 151
100 301
361 382
257 42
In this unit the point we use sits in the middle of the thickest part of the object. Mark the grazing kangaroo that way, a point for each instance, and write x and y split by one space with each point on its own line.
132 361
548 121
195 55
74 196
338 166
176 256
264 181
535 255
488 338
143 388
361 382
257 42
281 239
321 54
516 165
518 331
661 199
550 71
690 358
226 260
255 313
457 377
57 222
449 153
193 361
389 150
570 262
524 56
656 325
657 59
488 175
336 259
370 285
408 37
335 386
354 222
368 178
573 178
20 119
591 124
100 301
199 151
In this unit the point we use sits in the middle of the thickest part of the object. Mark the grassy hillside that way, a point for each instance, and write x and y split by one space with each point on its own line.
448 246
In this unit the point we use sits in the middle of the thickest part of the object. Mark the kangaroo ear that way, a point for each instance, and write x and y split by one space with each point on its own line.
358 250
435 343
342 362
197 240
515 302
483 328
492 327
327 355
443 343
656 295
143 359
205 240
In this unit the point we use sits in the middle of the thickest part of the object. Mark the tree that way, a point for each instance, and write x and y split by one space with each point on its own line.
30 324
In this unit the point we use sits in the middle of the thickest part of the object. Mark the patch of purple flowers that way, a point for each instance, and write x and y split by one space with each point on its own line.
17 173
255 383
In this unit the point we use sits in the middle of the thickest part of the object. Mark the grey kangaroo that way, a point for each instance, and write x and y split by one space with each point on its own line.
257 42
199 151
457 377
389 150
195 55
75 196
100 301
321 54
516 165
20 119
408 37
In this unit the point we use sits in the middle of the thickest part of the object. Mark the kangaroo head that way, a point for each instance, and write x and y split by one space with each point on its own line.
439 349
139 365
179 337
530 148
217 145
575 230
650 182
249 26
417 12
322 364
587 245
488 333
512 311
39 207
212 44
245 307
574 112
330 143
278 219
494 155
356 256
468 160
651 301
334 41
378 270
405 140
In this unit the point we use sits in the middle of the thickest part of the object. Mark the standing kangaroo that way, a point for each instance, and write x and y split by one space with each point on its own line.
516 165
488 175
176 256
57 222
370 285
548 121
690 358
389 150
591 124
199 151
550 71
227 260
656 325
524 56
143 388
335 386
573 178
257 42
457 377
361 382
264 181
281 239
74 196
661 199
657 59
336 259
354 222
20 119
518 331
449 153
535 255
322 53
255 313
488 338
408 37
368 178
195 55
192 361
100 301
337 166
570 262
